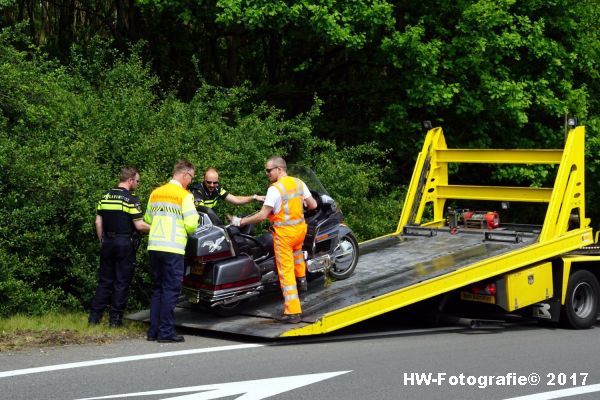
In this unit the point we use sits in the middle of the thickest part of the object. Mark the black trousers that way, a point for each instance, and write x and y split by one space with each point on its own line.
117 263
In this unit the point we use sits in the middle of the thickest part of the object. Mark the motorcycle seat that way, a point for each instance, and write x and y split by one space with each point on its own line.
254 246
266 241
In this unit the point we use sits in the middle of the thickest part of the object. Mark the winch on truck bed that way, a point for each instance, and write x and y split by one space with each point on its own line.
539 270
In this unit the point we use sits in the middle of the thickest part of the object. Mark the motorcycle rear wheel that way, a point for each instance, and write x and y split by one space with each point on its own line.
345 258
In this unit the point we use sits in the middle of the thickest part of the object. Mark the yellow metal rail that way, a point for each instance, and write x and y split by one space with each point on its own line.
499 156
499 193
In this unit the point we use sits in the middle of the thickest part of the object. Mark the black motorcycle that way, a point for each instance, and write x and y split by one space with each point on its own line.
227 266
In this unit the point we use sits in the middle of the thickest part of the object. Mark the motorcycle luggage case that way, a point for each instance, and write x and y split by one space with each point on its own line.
237 269
211 241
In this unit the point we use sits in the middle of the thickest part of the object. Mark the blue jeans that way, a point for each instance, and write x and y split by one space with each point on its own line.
167 274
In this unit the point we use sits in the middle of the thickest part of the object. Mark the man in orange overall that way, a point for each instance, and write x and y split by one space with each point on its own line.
284 207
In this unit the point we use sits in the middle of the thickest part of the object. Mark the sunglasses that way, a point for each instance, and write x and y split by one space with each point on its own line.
268 170
211 182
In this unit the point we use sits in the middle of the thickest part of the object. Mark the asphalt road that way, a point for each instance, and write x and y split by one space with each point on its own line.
374 361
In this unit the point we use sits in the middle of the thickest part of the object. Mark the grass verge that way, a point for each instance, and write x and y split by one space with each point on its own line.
21 331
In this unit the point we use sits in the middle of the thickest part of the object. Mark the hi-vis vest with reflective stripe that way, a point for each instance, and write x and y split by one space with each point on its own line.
292 200
172 216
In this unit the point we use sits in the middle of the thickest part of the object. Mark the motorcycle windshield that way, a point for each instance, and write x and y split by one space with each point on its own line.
308 176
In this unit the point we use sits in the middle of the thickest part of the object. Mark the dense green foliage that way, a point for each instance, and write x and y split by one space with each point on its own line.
341 86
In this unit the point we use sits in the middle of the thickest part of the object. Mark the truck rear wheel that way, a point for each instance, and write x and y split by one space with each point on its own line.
581 304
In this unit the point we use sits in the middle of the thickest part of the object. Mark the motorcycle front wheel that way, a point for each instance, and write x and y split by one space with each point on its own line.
345 258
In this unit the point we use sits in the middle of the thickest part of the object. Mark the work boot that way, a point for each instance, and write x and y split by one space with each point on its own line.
302 284
94 318
116 321
289 318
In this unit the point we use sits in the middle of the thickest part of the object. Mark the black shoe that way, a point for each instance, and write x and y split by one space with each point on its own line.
94 319
289 318
151 338
302 284
115 319
172 339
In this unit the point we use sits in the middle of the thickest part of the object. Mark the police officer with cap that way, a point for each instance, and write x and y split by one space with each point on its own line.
118 217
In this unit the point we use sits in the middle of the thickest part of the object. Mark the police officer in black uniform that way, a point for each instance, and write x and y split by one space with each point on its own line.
210 191
118 217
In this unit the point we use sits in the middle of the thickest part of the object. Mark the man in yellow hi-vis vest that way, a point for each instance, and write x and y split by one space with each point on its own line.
284 207
172 217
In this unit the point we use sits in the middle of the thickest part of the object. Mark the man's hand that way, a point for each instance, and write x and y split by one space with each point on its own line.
235 220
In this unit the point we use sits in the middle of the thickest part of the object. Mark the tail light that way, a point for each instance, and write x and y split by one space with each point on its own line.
232 285
485 289
214 256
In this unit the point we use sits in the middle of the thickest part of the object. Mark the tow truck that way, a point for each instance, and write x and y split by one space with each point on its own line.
548 271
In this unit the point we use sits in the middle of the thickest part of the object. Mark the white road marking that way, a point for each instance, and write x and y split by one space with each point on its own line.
558 394
115 360
249 390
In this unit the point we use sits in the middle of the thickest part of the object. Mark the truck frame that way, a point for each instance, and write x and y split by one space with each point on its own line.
548 271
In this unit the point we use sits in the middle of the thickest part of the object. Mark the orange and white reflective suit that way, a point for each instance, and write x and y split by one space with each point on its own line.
289 230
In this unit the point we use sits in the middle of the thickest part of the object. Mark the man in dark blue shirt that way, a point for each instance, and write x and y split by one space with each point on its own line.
210 191
118 216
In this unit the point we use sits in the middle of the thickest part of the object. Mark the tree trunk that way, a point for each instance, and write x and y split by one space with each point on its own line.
66 19
273 59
